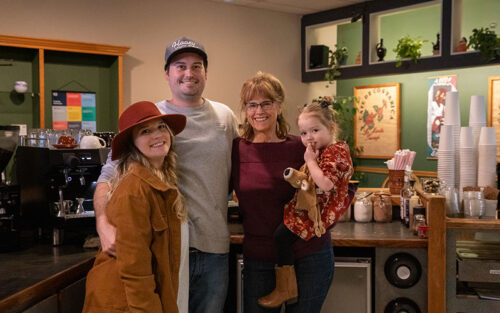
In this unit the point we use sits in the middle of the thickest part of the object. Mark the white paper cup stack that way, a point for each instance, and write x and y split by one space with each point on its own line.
468 170
452 118
446 155
487 151
477 120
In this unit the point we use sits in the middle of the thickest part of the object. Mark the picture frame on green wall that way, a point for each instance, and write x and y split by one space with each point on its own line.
377 123
494 107
439 86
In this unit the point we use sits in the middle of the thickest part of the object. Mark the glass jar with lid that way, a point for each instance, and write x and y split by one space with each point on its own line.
474 204
382 207
418 219
363 209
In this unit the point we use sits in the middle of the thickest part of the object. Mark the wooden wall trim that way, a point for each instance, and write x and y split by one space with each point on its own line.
61 45
41 71
385 171
120 85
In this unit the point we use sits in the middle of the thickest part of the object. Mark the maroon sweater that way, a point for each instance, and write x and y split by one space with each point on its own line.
257 175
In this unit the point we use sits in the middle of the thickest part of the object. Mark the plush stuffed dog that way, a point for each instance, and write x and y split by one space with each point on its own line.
306 195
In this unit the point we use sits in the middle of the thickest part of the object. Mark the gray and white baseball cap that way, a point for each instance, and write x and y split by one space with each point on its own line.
181 45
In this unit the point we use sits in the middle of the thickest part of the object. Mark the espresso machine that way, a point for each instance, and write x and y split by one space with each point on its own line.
9 194
56 190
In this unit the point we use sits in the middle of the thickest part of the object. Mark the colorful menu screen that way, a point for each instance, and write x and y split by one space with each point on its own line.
73 110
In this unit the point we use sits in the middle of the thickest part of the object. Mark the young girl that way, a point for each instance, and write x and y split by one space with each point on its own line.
147 210
329 164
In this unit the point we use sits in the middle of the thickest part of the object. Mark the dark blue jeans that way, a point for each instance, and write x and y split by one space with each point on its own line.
314 277
208 281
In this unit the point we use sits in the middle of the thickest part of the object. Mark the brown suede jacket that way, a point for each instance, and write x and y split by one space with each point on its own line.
144 276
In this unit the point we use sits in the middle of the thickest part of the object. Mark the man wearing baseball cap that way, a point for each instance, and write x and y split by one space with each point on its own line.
204 168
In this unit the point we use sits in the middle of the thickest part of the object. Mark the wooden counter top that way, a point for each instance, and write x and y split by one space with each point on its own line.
31 275
353 234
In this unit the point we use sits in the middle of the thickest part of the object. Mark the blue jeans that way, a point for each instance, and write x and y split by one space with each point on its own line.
314 277
208 281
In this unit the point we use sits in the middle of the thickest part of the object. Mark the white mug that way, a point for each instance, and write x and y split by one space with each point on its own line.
20 86
92 142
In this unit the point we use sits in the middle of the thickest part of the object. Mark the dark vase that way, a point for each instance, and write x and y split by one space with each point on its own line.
381 51
436 46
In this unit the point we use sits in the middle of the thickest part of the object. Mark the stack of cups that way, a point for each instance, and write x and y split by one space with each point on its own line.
468 169
452 118
477 120
446 156
487 156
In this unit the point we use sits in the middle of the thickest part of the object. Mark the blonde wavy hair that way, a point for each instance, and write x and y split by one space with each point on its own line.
167 173
268 86
323 110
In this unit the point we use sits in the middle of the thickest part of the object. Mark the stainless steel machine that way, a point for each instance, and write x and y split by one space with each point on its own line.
56 190
9 194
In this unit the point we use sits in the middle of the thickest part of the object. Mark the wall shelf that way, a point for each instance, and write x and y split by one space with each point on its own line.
446 59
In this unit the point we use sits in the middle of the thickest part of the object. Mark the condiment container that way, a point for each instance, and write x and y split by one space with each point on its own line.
382 207
422 231
363 209
418 219
474 204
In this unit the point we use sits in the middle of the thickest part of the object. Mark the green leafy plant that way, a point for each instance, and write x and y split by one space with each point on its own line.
346 110
487 42
408 48
335 60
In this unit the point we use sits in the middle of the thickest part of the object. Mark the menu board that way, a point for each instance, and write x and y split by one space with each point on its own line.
72 109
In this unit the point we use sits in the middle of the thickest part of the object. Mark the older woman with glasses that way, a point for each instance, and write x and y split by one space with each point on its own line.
259 157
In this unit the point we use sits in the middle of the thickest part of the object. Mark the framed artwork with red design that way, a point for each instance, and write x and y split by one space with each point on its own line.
494 107
377 128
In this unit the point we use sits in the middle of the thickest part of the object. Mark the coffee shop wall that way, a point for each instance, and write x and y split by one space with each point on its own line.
414 87
48 65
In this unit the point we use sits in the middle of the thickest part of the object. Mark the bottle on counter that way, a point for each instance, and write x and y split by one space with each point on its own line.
418 219
406 194
414 201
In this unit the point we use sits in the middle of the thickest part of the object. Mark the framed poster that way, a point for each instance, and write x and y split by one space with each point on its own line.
494 107
377 121
439 86
73 109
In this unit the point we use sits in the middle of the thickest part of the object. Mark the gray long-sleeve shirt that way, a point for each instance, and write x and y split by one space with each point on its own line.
204 170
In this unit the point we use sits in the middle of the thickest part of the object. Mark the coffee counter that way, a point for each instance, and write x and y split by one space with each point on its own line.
353 234
30 275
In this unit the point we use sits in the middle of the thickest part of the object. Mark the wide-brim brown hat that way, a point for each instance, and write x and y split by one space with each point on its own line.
136 114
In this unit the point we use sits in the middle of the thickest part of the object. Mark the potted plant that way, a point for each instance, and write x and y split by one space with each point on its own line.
346 110
335 60
487 42
408 48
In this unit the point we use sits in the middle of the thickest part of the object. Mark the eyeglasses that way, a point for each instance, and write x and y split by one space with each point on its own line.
265 106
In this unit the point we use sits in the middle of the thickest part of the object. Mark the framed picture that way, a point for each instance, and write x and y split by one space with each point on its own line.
494 107
377 120
439 86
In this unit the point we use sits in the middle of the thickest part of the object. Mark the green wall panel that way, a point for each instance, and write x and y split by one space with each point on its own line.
84 73
414 87
17 64
350 35
479 13
422 23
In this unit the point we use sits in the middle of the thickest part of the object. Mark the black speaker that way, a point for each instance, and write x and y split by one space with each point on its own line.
318 56
400 280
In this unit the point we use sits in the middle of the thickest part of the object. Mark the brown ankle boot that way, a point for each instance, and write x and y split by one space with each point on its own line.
286 288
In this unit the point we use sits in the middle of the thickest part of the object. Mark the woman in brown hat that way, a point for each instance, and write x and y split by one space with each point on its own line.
147 210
